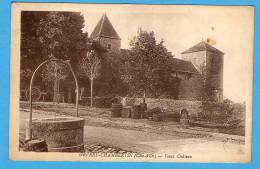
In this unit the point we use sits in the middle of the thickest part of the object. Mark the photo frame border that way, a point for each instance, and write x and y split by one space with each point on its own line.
5 35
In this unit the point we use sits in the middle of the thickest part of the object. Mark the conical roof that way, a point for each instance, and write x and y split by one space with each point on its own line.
104 28
202 46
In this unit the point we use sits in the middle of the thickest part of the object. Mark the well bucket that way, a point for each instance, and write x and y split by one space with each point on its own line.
62 134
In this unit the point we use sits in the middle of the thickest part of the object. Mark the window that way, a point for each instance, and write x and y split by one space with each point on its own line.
109 46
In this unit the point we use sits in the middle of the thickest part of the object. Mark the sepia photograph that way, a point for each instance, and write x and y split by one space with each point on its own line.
131 83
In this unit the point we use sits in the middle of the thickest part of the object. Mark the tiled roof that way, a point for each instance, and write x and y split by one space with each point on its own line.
179 65
104 28
202 46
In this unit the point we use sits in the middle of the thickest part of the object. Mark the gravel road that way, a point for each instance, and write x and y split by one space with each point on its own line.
144 141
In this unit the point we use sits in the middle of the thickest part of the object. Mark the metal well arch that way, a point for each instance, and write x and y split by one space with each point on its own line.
67 63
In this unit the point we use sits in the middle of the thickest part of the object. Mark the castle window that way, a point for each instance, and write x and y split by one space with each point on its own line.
109 46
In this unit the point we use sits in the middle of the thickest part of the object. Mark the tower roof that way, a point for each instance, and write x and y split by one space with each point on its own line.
104 28
203 46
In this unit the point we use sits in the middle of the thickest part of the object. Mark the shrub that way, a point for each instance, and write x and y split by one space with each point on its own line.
193 117
103 102
100 102
173 116
156 110
224 112
156 113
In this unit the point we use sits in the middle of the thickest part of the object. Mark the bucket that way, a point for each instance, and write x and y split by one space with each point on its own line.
62 134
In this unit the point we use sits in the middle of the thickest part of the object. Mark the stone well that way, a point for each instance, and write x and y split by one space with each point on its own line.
62 134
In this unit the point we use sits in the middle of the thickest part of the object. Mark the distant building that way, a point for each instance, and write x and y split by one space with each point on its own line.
199 72
106 35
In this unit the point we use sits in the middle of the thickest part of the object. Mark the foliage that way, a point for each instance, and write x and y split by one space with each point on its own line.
155 110
100 102
25 76
218 112
91 65
46 34
146 67
60 33
54 71
51 34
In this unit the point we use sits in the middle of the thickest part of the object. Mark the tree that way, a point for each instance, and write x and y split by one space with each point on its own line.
45 34
91 67
51 34
55 72
146 68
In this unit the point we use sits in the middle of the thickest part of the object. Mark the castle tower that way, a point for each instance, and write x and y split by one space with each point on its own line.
209 62
106 35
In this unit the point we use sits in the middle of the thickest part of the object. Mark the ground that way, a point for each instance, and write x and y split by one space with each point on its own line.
138 135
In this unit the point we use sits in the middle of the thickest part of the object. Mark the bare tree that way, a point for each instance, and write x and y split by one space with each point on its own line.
91 68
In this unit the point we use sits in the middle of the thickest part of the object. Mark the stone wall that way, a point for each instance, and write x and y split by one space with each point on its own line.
191 89
211 110
170 105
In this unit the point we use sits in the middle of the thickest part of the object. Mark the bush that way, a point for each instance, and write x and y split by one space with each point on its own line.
103 102
156 113
221 112
156 110
193 117
100 102
173 116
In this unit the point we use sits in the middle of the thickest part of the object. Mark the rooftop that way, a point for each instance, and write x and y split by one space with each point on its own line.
104 28
203 46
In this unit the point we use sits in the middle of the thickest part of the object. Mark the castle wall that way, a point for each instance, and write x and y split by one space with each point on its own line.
214 76
198 59
115 43
192 88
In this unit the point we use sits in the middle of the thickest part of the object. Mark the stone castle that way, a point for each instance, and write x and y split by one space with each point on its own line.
200 71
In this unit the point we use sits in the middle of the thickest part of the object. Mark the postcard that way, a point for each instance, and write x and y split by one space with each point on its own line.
131 83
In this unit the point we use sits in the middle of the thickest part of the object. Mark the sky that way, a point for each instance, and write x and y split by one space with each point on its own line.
181 27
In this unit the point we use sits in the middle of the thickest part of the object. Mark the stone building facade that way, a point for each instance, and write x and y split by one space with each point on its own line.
209 62
200 71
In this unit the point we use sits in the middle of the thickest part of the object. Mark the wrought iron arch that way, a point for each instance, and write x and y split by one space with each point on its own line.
67 63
